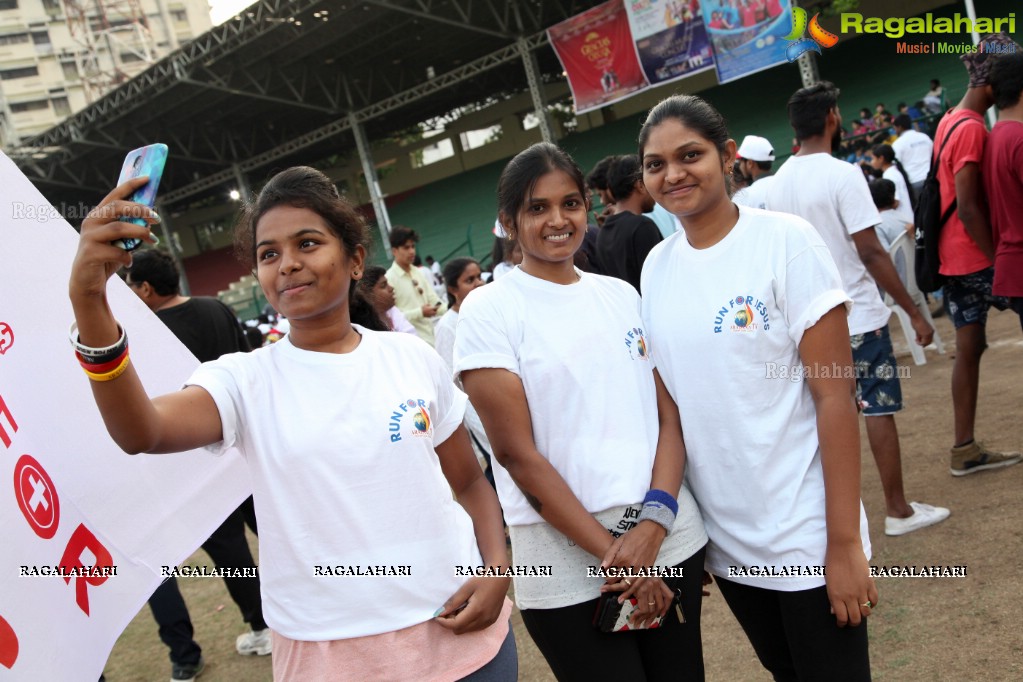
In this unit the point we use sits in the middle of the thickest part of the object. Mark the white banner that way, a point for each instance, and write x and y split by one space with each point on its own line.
68 495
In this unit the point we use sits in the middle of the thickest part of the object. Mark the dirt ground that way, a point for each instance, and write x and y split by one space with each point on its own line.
923 629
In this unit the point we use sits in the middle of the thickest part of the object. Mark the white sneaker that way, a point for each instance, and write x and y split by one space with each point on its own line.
256 643
923 515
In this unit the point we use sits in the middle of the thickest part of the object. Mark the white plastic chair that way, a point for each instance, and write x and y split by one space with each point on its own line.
903 253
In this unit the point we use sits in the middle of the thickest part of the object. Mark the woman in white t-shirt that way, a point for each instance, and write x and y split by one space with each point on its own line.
750 318
883 159
588 449
461 277
354 443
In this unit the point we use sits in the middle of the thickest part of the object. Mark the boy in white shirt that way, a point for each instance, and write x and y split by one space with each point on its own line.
833 196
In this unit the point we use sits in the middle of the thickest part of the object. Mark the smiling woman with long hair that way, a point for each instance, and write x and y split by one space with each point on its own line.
773 448
344 430
587 443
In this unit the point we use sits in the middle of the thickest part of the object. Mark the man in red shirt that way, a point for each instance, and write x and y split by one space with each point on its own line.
967 252
1003 179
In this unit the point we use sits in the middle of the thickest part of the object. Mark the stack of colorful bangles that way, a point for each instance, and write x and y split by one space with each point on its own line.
102 364
659 507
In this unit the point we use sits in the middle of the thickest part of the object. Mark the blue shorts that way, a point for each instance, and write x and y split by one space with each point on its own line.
968 298
878 391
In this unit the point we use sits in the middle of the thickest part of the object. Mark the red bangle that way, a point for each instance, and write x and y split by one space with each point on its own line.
102 367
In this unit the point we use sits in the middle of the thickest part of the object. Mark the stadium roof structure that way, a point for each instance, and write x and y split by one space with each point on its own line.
275 85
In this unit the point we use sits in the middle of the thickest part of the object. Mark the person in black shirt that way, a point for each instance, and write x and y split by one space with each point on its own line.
626 237
209 329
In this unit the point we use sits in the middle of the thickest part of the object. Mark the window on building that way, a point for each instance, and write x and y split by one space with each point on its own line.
13 38
22 72
70 71
52 5
18 107
8 4
179 15
41 37
130 57
98 24
471 139
61 106
433 153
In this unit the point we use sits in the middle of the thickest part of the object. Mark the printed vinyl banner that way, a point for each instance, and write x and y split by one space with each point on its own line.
69 497
598 56
747 35
670 38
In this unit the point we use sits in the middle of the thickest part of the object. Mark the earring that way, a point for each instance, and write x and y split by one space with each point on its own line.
356 273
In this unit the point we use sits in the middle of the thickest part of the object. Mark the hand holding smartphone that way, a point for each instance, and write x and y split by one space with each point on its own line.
149 160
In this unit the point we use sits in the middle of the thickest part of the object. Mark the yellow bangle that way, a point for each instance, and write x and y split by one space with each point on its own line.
112 374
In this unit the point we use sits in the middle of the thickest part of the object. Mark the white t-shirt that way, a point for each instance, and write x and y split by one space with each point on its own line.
754 196
891 228
399 322
728 322
905 209
833 196
913 150
501 269
444 339
340 450
585 364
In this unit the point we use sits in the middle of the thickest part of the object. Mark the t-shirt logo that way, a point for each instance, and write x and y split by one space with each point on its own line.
635 343
742 312
422 425
421 420
744 317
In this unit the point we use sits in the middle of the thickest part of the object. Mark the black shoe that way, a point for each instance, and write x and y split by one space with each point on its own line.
187 672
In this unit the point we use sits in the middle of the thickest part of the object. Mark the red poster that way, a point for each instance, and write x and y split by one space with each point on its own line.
598 55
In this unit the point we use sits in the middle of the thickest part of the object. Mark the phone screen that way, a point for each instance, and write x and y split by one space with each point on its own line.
149 160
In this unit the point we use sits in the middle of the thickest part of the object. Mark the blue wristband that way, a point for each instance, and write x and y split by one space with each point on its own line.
659 514
661 497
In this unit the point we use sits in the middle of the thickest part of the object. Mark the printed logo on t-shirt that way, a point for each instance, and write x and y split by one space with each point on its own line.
740 315
635 343
420 419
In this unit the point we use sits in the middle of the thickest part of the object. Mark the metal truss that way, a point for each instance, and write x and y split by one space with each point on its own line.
450 78
261 57
445 80
258 20
113 26
428 10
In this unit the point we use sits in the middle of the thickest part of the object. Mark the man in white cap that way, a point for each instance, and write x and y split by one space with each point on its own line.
753 163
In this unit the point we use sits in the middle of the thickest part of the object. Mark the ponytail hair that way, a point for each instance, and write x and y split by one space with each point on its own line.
364 314
886 152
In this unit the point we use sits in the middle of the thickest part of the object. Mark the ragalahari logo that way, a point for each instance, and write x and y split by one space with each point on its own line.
819 37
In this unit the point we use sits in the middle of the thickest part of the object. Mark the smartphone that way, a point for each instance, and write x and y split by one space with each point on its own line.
148 160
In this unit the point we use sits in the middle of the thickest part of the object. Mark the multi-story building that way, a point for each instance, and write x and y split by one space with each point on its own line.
58 56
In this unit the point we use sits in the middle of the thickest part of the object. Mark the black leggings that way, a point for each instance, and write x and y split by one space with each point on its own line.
795 634
576 650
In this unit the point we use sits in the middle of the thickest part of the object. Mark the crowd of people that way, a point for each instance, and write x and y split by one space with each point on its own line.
580 407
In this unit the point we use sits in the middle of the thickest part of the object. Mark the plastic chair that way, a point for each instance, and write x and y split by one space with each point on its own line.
903 254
